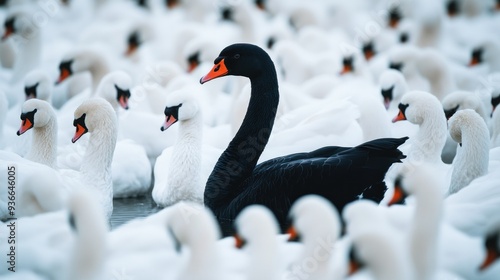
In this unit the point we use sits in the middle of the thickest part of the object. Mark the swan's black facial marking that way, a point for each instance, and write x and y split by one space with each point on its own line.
355 263
403 107
9 28
72 223
142 3
401 116
227 13
122 96
450 112
171 116
348 64
3 3
404 37
477 56
396 66
495 101
28 121
400 195
81 128
134 40
452 8
193 61
492 250
395 16
387 93
368 50
270 42
64 70
31 92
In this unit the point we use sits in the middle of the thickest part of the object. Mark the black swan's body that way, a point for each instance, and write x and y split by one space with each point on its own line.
340 174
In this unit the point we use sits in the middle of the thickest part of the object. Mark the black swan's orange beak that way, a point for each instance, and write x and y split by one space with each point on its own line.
219 70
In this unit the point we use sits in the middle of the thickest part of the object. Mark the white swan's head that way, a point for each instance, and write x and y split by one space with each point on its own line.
193 225
93 114
78 61
460 100
37 85
35 113
198 50
361 214
256 225
417 106
18 23
181 105
314 217
140 33
464 120
402 58
485 52
393 86
115 88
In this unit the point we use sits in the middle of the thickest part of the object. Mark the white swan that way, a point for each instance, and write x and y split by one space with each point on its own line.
67 244
393 87
182 170
469 130
97 117
495 129
317 224
260 243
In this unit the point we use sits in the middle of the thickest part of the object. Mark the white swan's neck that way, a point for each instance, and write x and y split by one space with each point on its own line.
424 231
88 253
430 139
263 261
44 144
202 261
28 54
96 163
186 157
98 69
472 157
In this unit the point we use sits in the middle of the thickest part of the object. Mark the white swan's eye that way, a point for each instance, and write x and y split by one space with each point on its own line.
236 56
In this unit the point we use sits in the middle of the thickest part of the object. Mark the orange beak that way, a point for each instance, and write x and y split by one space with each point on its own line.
398 196
393 23
169 121
473 61
261 6
399 117
353 267
192 66
491 256
80 131
123 100
25 126
293 234
7 33
219 70
239 242
369 55
346 69
64 75
131 49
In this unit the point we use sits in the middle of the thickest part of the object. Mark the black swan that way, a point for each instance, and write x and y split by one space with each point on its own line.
340 174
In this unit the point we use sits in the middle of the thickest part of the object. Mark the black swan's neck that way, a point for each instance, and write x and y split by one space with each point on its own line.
239 159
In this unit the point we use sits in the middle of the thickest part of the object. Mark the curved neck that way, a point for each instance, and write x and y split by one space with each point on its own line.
98 69
472 157
239 159
44 144
495 128
186 155
424 231
96 163
430 138
28 55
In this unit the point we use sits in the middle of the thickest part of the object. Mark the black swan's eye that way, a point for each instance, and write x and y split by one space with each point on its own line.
236 56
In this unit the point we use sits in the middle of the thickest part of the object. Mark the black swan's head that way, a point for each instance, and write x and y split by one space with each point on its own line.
245 60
